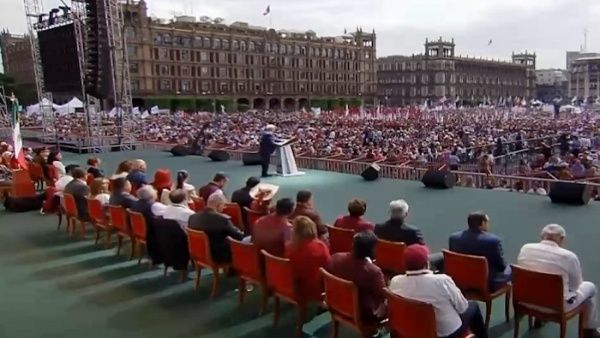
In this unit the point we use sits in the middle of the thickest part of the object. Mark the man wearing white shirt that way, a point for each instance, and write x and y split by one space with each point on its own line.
550 257
176 211
454 315
62 182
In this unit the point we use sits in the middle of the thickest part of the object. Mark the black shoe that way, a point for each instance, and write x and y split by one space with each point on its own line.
537 324
266 175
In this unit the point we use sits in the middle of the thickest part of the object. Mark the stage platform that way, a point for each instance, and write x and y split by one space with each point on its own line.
55 286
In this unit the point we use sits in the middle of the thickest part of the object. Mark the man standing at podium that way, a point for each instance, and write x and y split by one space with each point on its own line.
268 144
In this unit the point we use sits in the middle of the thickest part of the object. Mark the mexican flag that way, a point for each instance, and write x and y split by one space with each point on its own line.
17 140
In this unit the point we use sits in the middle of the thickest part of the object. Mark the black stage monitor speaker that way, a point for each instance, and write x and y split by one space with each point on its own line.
439 179
371 173
219 155
570 193
180 150
251 159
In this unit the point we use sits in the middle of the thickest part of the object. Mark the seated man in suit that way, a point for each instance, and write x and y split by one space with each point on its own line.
242 196
357 267
477 241
304 207
216 185
271 232
149 208
217 227
397 230
121 193
79 189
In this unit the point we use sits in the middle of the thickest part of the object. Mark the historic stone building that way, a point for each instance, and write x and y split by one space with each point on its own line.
16 58
584 78
206 62
441 73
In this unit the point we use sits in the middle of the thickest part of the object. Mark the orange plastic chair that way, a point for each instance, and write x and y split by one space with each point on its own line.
340 240
247 261
199 247
389 256
280 280
99 219
234 211
251 217
37 175
72 215
22 185
139 230
411 318
118 222
542 290
199 204
341 297
471 275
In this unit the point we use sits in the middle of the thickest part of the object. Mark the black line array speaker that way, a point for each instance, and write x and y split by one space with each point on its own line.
439 179
180 150
219 155
251 158
371 173
570 193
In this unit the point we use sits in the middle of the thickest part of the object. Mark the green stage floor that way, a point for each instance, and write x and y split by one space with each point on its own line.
55 286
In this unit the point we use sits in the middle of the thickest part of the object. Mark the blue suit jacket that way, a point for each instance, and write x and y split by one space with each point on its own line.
267 143
478 243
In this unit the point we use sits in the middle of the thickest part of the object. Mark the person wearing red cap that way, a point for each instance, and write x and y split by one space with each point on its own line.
454 315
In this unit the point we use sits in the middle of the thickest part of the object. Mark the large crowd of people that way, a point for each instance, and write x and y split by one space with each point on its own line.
294 229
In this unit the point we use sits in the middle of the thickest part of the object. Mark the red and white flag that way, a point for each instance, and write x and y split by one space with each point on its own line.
267 10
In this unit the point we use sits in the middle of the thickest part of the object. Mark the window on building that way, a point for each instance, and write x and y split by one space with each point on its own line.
198 42
216 43
164 70
225 44
135 85
185 71
243 46
165 85
235 45
206 42
133 68
251 46
205 86
186 85
185 55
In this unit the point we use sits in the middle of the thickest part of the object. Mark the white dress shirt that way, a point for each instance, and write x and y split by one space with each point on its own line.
438 290
62 182
548 257
103 198
178 212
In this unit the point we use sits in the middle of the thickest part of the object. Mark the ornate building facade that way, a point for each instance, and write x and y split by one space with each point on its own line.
16 58
584 78
440 73
246 66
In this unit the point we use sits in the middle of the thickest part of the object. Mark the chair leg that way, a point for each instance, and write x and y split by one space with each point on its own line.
165 271
336 328
517 322
563 329
133 247
300 320
242 288
198 273
264 298
580 328
141 250
488 313
97 236
59 215
530 320
276 311
507 306
216 280
108 238
119 243
82 223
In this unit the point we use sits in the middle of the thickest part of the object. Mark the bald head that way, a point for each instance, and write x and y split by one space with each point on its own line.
140 164
270 127
147 192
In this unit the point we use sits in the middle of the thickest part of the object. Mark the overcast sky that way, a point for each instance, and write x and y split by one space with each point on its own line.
548 27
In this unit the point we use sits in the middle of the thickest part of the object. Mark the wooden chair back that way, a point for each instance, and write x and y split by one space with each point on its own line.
70 205
118 219
537 288
340 240
96 210
341 297
234 211
389 256
246 260
280 275
199 204
469 272
199 247
410 318
138 225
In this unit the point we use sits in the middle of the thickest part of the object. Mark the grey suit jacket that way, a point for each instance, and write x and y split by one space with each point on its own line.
217 227
80 191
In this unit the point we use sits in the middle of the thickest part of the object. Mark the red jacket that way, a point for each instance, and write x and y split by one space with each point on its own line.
369 280
307 258
208 190
270 233
356 224
305 210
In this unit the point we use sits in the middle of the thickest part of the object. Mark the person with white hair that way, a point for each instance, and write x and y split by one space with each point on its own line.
268 144
217 227
137 176
550 256
395 229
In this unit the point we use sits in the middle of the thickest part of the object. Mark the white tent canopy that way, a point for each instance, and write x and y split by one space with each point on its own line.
35 108
69 107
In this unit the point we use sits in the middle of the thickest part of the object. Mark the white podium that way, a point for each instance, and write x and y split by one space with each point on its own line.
287 162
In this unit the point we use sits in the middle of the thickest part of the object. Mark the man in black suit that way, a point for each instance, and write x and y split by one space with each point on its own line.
217 227
121 193
268 145
145 205
79 189
242 196
396 230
